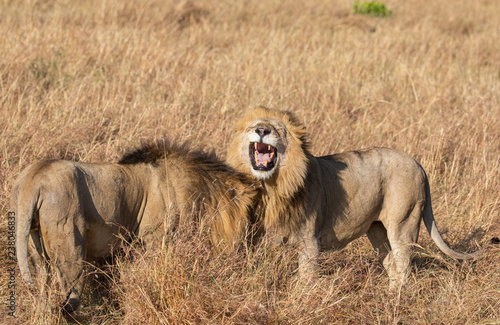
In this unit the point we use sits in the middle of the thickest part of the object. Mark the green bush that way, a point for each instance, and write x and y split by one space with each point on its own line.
373 8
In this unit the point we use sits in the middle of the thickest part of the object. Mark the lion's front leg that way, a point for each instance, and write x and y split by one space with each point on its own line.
309 243
308 256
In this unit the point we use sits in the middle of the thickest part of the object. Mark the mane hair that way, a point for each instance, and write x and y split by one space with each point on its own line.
211 186
150 153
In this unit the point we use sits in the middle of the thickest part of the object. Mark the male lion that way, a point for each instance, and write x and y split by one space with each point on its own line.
326 202
74 211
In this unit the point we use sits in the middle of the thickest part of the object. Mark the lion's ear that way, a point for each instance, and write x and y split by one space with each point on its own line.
297 130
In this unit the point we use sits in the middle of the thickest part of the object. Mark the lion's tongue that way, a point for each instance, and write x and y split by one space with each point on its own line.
262 158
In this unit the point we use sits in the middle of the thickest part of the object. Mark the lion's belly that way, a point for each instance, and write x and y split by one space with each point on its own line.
337 237
343 225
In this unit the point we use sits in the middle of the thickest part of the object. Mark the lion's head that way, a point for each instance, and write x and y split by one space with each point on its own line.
271 146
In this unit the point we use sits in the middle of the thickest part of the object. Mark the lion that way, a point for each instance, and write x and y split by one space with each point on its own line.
321 203
75 212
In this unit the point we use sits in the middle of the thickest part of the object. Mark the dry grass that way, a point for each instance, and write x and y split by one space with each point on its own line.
87 80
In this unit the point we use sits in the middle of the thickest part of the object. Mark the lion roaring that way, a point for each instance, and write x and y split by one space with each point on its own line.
327 202
72 212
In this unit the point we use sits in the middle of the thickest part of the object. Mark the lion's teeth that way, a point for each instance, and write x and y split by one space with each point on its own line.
265 163
255 145
268 148
271 155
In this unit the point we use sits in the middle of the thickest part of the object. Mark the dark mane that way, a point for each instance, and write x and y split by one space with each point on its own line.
150 153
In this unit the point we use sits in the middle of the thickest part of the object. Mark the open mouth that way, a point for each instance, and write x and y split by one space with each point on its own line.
263 156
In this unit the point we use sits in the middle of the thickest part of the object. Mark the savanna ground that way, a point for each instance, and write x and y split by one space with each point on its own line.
89 80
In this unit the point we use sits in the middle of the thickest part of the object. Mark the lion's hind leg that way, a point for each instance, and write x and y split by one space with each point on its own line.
36 256
394 240
377 234
37 261
64 243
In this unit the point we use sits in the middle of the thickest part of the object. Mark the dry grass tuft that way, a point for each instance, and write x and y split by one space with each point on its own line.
88 80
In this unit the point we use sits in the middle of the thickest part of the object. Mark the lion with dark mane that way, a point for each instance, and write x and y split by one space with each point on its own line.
72 212
327 202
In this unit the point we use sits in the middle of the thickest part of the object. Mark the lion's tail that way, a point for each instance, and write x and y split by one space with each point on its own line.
23 203
430 224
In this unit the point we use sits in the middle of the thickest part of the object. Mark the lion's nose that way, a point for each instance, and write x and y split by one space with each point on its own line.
262 131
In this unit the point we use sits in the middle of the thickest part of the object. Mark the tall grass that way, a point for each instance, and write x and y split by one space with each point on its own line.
88 80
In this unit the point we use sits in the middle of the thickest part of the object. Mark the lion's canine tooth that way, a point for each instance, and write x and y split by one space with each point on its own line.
265 163
268 148
271 155
255 145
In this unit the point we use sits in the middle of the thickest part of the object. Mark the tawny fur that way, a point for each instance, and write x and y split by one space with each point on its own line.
326 202
71 212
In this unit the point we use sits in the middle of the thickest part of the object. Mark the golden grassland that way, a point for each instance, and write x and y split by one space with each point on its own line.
88 80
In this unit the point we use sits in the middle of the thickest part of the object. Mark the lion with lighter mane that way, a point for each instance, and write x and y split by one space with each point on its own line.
72 212
327 202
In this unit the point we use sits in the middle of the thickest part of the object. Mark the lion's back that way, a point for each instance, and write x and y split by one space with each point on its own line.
373 161
60 181
376 170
